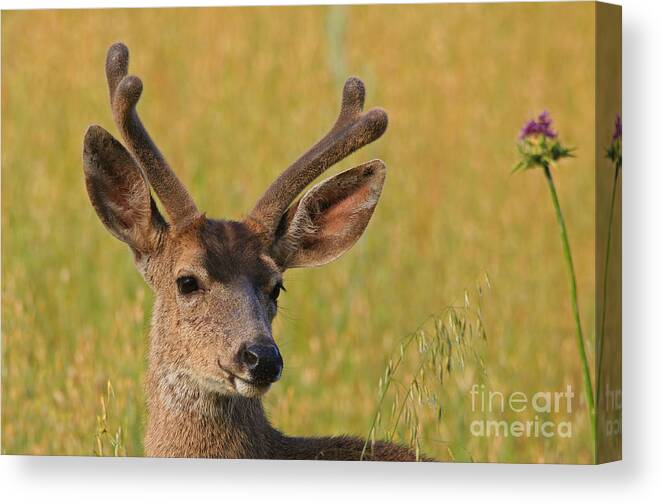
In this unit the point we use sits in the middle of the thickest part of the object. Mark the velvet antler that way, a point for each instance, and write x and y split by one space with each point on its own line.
125 91
352 130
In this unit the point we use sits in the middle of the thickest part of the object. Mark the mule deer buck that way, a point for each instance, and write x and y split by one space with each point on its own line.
211 351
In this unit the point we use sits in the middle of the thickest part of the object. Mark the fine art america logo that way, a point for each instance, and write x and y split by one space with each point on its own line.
533 412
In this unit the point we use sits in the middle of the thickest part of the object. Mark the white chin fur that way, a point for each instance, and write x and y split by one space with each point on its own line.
248 389
233 386
219 386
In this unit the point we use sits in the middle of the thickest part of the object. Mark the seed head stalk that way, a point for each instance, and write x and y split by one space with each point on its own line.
587 382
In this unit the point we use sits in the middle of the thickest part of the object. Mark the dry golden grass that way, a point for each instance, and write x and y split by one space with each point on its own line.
232 96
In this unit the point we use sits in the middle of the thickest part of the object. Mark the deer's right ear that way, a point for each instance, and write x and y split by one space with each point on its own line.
119 193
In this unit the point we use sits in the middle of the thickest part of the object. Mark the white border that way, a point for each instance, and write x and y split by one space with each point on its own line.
77 479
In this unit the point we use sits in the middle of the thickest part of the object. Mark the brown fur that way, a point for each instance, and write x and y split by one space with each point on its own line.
203 394
209 425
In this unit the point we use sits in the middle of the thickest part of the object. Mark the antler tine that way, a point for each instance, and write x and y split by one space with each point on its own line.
125 91
352 130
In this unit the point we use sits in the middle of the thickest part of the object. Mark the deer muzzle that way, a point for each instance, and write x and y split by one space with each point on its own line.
263 362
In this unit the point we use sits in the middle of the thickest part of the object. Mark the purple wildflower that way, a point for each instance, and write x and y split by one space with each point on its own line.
542 126
529 129
614 150
617 134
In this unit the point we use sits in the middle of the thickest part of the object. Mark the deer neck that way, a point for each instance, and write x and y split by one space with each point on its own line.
187 420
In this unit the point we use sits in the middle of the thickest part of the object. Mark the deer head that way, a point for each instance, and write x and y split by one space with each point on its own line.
217 282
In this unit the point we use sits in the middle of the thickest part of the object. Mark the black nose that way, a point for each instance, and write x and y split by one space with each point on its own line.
264 363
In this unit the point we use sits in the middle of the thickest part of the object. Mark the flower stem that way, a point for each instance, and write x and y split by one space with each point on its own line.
602 331
587 382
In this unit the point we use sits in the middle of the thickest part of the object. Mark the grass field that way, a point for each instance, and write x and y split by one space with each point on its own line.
231 97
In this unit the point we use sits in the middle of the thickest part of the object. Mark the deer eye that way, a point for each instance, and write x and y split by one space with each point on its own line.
275 293
187 285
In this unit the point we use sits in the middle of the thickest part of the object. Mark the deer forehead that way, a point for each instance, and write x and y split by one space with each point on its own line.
222 251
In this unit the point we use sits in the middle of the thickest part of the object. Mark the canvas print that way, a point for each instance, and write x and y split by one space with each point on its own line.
357 233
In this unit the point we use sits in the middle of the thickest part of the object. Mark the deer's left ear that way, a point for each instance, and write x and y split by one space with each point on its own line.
119 193
330 218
